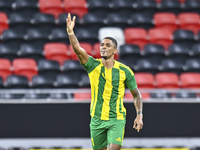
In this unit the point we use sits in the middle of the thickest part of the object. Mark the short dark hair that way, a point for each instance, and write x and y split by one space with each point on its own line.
112 39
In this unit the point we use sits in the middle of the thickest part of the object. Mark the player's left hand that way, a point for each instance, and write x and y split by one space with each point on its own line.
138 123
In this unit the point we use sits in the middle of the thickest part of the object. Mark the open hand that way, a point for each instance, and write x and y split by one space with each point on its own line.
138 123
70 23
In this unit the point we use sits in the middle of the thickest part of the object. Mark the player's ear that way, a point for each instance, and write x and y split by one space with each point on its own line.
115 50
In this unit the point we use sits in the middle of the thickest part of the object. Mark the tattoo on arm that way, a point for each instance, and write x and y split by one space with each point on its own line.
74 42
137 100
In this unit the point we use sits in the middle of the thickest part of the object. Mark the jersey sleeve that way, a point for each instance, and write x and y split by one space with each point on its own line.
130 80
89 66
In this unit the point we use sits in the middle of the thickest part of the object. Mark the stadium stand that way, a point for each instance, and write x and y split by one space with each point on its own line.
3 22
5 68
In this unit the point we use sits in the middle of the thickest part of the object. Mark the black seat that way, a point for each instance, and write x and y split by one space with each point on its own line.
73 66
173 6
179 52
59 35
48 68
171 65
17 82
146 6
26 7
185 95
67 81
8 51
44 22
118 20
37 37
93 21
86 35
192 65
145 65
11 96
185 37
31 51
40 81
36 96
159 95
13 37
59 96
62 21
154 52
1 82
195 50
20 22
192 6
84 81
142 20
99 6
6 6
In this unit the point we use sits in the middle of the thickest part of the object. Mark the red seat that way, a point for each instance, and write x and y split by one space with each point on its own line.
82 96
78 7
53 7
86 46
189 21
161 36
166 20
57 52
25 67
3 22
5 68
136 36
167 80
190 80
144 80
97 54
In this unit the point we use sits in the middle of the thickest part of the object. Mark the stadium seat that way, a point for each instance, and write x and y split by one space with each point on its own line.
146 6
82 96
167 80
37 37
56 51
125 6
114 32
165 20
192 6
36 96
67 81
84 81
117 20
160 36
17 82
189 21
190 80
185 95
144 65
3 22
57 96
141 20
13 37
73 66
192 65
53 7
182 36
144 80
159 95
30 51
5 69
61 21
154 52
86 46
195 50
87 35
99 7
178 52
171 65
6 6
25 67
48 68
40 81
20 22
78 7
44 22
1 83
137 36
28 8
59 35
8 51
173 6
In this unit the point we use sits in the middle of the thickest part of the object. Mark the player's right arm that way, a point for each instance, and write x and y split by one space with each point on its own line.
80 52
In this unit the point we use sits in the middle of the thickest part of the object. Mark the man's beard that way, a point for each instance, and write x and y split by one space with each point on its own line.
105 57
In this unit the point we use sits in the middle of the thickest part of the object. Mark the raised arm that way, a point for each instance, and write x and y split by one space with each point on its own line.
137 99
80 52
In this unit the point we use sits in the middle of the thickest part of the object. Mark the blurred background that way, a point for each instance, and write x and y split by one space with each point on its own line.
45 92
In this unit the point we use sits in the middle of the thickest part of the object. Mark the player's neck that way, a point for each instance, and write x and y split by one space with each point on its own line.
108 63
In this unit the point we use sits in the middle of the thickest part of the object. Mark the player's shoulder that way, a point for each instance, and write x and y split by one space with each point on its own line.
125 67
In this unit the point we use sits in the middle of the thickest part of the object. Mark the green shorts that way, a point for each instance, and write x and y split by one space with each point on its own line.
105 132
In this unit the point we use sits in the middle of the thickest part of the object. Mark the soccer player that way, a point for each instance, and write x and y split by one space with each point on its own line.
108 78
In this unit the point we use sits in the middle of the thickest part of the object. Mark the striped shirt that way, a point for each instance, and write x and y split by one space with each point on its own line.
107 88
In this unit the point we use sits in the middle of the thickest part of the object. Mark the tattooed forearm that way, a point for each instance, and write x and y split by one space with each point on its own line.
137 101
74 42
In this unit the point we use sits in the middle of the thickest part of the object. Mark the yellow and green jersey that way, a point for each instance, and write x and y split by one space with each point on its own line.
107 88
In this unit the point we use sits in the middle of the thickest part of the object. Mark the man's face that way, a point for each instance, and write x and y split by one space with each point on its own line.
107 48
